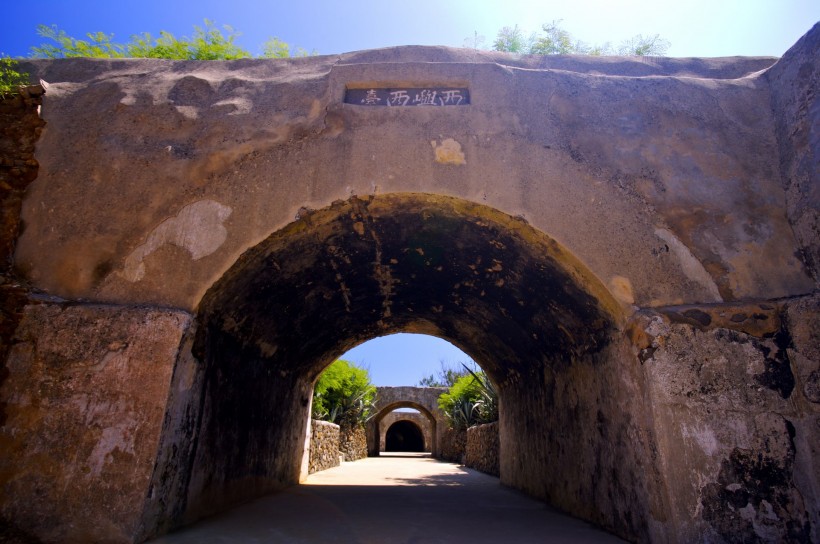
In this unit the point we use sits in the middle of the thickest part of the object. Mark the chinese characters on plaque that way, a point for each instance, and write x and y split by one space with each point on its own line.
429 96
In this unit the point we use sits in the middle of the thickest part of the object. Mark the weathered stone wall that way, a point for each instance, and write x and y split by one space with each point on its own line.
453 445
85 399
418 418
481 448
324 445
552 163
20 127
591 433
794 100
352 443
736 416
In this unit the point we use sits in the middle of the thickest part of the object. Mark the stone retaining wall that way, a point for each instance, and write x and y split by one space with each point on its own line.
353 443
324 446
452 445
481 451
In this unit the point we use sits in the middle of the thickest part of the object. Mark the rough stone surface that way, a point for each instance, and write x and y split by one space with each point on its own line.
692 185
803 323
453 445
85 400
324 445
353 443
481 448
737 440
595 441
418 419
20 127
797 115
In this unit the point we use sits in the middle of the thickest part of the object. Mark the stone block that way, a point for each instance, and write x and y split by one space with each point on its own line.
85 399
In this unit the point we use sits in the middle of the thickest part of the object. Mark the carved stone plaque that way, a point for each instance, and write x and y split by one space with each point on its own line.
409 96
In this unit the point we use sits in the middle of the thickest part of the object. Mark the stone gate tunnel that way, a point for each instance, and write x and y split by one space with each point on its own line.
429 424
628 247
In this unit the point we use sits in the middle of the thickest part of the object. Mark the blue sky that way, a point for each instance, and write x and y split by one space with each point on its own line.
694 27
705 28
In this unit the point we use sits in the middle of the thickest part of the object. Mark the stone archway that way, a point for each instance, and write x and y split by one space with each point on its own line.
525 309
415 418
375 428
404 436
389 399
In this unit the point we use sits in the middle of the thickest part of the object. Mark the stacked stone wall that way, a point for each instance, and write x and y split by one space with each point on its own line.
20 127
481 449
353 443
453 444
324 446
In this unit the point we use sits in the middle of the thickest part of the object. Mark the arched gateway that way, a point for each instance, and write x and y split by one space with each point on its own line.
614 241
422 399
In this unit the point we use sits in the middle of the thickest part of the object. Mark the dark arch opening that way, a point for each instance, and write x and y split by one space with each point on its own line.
404 435
518 303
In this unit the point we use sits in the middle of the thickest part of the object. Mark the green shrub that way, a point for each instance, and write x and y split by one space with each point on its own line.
471 400
343 394
207 43
10 79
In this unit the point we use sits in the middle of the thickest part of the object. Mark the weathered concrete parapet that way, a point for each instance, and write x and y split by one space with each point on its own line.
677 156
85 400
423 399
324 446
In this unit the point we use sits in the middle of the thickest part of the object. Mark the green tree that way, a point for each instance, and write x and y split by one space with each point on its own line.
10 79
512 40
476 41
206 43
446 376
471 400
343 394
98 45
555 40
640 46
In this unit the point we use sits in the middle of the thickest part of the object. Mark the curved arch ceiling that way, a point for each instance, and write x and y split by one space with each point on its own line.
488 282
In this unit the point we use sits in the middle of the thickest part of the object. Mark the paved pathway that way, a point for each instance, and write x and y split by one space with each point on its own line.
402 499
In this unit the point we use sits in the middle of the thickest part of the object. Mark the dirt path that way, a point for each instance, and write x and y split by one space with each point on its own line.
407 499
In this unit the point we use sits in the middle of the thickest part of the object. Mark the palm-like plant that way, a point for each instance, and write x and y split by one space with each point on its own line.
471 400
